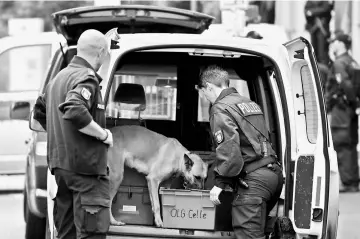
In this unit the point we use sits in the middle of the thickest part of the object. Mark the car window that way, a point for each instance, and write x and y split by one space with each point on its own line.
23 68
203 104
159 83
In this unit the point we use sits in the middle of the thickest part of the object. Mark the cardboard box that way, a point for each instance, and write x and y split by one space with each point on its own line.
187 209
132 205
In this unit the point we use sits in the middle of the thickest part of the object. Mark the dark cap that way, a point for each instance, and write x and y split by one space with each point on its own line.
340 36
254 34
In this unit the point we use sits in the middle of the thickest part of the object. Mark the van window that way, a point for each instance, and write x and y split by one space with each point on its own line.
23 68
203 104
311 109
159 83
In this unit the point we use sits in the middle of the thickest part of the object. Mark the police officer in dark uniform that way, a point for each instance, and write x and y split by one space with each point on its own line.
318 17
245 160
72 112
341 98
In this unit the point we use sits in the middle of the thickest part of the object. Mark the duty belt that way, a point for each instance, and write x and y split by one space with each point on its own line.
251 167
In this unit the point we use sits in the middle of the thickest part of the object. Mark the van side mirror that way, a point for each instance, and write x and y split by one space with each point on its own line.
20 110
34 125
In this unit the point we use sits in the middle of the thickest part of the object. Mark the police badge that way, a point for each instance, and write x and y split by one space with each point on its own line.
85 93
219 136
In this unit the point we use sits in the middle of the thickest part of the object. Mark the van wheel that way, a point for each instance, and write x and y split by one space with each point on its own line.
35 226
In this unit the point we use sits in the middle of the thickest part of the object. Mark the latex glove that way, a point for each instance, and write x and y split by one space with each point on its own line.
109 139
357 111
214 195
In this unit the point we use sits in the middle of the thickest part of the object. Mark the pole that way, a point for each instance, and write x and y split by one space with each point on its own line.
355 30
193 5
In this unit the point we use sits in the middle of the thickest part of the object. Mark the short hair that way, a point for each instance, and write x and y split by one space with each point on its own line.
214 74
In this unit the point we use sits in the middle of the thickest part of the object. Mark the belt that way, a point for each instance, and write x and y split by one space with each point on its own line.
251 167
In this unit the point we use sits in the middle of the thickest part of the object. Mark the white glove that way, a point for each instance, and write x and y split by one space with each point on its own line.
357 111
109 139
214 195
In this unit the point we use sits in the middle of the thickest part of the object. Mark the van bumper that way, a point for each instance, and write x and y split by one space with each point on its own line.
133 231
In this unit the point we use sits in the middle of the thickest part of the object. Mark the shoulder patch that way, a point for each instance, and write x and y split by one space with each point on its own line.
85 93
249 108
219 136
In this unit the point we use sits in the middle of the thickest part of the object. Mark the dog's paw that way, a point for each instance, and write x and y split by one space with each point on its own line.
158 222
116 223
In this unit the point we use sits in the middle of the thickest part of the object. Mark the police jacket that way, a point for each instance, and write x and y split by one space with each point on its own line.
318 9
239 129
71 101
344 92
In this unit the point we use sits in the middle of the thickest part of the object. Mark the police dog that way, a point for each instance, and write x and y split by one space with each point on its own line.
154 155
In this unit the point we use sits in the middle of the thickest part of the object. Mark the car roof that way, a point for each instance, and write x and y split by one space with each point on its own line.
29 39
268 48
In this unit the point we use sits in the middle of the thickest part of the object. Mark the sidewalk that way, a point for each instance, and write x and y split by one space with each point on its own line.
349 218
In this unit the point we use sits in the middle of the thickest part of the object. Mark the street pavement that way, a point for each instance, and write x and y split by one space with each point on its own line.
12 225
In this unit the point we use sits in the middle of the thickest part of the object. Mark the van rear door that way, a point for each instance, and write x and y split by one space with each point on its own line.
129 19
314 161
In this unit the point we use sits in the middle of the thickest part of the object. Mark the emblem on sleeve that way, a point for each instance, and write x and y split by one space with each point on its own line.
85 93
219 136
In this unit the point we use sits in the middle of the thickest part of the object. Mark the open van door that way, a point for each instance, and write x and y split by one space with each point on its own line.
129 19
315 189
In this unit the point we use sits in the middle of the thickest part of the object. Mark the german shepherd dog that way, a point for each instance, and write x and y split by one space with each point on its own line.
154 155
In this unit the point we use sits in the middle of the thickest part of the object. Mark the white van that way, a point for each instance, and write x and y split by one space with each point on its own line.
282 78
23 63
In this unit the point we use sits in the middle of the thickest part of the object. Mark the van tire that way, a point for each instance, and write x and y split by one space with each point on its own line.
35 226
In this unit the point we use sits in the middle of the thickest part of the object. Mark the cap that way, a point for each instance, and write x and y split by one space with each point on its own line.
340 36
254 34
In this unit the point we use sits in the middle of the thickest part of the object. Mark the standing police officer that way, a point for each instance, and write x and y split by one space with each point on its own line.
318 16
341 102
72 112
243 150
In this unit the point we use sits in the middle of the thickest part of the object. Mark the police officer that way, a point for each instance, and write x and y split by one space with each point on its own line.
318 16
72 112
341 99
243 151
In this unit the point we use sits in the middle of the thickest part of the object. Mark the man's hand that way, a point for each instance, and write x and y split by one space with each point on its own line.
214 195
109 138
357 111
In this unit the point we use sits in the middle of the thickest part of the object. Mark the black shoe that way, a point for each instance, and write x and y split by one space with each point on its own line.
349 189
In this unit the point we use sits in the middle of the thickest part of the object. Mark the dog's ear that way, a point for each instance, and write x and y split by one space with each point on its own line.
188 162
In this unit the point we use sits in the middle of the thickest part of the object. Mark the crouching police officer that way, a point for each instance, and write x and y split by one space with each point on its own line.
342 100
243 150
72 112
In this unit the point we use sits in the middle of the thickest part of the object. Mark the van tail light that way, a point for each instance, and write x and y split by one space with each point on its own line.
41 149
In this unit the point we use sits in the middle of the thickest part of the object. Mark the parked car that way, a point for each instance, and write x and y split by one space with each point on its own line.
283 79
23 63
24 60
